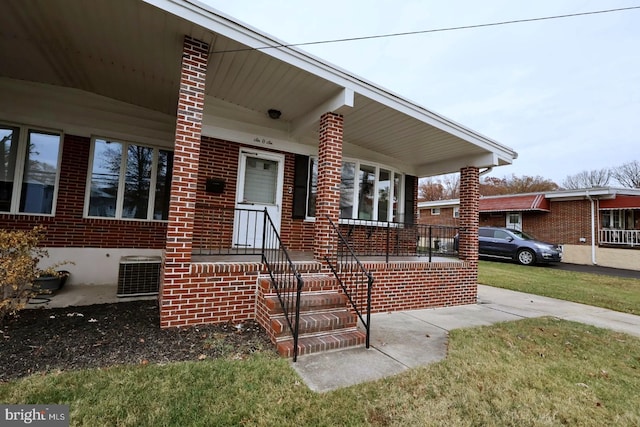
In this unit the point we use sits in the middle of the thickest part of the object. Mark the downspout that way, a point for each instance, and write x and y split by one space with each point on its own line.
593 229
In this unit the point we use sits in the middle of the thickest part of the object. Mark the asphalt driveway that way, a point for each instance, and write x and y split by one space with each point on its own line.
595 269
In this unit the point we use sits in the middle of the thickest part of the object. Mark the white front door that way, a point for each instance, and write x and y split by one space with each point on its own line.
260 182
514 220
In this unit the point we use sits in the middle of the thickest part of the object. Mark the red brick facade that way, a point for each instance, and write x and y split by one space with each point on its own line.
68 228
213 224
194 293
445 217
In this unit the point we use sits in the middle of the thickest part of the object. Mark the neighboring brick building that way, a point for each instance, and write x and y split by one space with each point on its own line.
175 134
594 226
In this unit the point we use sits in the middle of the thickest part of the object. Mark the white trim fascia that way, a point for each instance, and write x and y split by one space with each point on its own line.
601 192
450 203
213 20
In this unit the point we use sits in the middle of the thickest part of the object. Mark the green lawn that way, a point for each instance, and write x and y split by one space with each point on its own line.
531 372
615 293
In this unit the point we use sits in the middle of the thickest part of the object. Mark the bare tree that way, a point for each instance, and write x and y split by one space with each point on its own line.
492 186
588 179
628 174
443 187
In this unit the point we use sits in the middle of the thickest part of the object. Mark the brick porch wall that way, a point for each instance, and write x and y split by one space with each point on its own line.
410 286
68 228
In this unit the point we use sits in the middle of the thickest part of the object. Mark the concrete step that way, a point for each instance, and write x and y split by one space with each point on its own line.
320 321
322 342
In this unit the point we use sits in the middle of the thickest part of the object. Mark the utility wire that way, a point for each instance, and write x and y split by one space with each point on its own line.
437 30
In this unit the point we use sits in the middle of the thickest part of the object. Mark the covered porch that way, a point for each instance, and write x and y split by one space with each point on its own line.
201 117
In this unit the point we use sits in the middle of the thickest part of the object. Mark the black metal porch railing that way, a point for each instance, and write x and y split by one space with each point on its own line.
285 279
221 230
396 239
238 231
355 280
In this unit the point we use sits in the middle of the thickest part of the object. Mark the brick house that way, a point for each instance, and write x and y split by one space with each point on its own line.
594 226
183 134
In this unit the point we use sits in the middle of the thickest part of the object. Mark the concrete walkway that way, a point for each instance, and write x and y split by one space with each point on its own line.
408 339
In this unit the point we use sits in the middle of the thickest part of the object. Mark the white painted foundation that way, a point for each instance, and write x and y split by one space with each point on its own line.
93 266
628 259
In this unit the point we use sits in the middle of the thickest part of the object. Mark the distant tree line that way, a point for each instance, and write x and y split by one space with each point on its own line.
446 187
626 176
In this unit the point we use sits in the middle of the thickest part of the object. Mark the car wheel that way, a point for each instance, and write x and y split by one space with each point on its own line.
526 257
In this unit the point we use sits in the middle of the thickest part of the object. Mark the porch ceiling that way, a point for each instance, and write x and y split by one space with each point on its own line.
130 50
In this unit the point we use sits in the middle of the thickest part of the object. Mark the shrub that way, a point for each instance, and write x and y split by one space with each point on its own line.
19 257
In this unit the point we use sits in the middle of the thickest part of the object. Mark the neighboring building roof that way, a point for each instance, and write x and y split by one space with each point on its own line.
514 203
621 202
609 198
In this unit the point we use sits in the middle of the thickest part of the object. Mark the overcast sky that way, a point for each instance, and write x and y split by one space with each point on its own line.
564 93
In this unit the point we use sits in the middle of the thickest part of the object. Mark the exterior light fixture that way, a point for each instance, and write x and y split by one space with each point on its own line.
274 114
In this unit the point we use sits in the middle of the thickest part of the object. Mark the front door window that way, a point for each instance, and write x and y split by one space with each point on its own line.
260 182
514 221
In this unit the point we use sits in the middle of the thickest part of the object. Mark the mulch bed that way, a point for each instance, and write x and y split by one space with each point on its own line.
95 336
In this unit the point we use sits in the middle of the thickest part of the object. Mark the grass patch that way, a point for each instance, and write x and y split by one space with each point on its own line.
615 293
532 372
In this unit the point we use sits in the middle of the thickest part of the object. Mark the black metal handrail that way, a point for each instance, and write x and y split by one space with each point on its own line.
396 239
355 280
285 278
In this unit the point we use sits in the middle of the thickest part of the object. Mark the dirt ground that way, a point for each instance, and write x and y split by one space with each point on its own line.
44 340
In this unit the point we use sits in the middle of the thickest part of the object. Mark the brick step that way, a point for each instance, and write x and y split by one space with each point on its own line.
309 301
313 282
322 342
303 267
319 321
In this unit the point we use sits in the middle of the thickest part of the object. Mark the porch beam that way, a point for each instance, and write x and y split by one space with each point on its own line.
485 160
337 104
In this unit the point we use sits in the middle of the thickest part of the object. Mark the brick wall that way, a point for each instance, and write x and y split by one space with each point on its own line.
445 218
566 222
68 228
493 219
410 286
571 220
213 224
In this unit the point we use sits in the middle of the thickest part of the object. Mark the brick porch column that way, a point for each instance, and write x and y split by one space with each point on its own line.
329 177
469 215
186 153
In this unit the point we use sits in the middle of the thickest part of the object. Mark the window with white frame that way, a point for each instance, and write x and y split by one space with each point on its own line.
456 212
435 211
613 219
128 181
29 169
367 191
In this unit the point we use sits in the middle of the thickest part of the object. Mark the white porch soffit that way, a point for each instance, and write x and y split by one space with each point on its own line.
130 50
